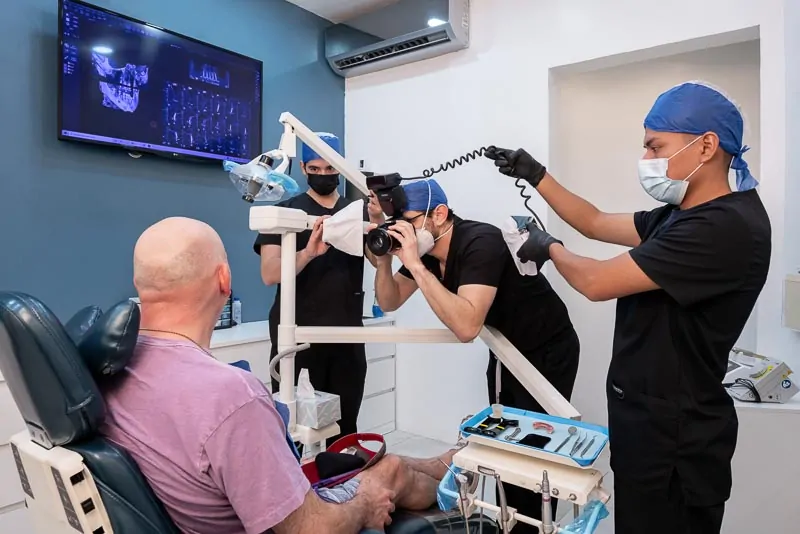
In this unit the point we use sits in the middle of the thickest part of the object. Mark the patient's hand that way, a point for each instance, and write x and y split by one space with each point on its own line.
378 503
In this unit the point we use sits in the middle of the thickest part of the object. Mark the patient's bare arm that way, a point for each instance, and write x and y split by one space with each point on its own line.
369 509
414 480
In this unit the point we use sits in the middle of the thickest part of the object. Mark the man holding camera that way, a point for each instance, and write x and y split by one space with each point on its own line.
329 290
469 278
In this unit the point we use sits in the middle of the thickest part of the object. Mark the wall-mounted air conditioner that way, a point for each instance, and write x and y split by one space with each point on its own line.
396 34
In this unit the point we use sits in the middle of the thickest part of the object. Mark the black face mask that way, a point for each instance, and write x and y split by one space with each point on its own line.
323 184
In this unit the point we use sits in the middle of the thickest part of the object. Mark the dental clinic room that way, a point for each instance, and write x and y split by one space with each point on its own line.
399 266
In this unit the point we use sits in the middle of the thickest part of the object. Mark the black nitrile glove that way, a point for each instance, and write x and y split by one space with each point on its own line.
517 164
537 247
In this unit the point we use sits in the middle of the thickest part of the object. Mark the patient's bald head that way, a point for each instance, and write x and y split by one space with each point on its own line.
180 260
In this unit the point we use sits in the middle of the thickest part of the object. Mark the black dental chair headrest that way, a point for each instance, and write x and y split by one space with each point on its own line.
49 376
108 344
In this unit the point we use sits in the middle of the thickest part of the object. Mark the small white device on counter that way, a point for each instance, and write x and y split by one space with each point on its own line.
755 378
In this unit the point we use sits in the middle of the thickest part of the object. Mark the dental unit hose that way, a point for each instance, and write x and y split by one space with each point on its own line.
273 365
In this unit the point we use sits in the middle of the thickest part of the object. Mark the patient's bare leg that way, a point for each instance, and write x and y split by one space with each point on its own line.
415 490
435 468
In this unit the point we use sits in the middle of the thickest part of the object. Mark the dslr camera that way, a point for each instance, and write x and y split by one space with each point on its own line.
392 199
379 242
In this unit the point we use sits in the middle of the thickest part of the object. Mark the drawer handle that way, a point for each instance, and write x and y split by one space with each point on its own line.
379 393
381 359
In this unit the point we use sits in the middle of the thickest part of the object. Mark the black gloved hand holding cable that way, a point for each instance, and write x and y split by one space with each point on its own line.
517 164
537 247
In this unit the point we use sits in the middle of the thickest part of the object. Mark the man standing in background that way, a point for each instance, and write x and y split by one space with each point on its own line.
684 292
329 288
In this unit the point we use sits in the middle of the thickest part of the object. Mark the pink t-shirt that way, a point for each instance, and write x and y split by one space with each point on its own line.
207 437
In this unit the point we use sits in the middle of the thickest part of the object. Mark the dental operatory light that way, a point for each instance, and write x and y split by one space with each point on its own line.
433 22
259 181
102 49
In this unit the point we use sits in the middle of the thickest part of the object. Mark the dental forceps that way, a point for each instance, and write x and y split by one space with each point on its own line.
579 443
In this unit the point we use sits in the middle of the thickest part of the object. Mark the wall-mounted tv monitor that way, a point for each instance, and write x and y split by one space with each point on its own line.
127 83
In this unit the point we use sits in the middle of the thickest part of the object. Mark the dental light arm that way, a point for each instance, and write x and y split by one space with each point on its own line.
293 129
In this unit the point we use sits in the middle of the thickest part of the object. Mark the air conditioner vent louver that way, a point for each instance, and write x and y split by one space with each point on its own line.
402 32
391 50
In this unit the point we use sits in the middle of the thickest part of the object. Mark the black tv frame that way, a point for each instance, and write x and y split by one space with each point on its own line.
139 150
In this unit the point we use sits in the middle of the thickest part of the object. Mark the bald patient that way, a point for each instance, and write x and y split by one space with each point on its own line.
207 436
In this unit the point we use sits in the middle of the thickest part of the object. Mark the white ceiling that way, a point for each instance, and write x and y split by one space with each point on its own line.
340 10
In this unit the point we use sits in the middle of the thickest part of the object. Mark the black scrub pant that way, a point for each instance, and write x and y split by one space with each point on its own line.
638 510
558 362
338 368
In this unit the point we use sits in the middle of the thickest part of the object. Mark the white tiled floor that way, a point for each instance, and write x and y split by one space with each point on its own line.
406 444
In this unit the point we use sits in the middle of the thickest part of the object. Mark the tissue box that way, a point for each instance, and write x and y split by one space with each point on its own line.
320 411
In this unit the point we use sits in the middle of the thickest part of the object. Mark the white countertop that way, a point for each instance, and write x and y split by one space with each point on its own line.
792 406
258 331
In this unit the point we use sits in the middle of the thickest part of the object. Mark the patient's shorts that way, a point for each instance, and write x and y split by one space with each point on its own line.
339 494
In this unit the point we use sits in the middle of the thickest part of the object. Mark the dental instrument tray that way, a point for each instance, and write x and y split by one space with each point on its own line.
555 439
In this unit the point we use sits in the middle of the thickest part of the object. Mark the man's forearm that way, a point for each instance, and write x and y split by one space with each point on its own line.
271 271
346 518
386 291
316 515
578 271
454 311
575 211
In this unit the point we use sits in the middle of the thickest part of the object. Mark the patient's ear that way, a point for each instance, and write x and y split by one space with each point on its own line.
224 275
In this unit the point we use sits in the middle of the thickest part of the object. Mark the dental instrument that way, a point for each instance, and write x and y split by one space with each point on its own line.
547 511
589 446
513 435
580 441
572 430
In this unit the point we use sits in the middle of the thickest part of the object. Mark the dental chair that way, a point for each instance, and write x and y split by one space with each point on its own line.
73 478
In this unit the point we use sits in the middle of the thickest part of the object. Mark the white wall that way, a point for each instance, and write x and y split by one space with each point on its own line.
596 140
497 92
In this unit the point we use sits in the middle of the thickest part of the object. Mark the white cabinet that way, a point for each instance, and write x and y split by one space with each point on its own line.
378 408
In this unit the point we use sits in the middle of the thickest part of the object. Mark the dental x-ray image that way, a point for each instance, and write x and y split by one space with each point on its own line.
120 86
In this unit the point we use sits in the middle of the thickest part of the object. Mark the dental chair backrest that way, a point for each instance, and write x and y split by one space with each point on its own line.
73 478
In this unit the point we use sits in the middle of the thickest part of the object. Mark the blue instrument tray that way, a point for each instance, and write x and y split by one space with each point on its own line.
585 432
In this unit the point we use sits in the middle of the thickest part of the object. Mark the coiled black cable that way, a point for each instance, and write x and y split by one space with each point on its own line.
471 156
466 158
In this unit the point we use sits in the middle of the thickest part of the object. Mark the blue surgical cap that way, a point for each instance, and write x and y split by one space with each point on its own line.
308 154
424 195
694 108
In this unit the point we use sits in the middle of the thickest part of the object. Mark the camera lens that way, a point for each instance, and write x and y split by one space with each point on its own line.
379 242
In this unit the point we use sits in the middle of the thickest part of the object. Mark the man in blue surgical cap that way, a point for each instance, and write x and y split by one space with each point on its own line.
685 290
465 271
329 287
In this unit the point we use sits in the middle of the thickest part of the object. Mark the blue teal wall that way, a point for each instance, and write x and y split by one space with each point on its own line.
70 214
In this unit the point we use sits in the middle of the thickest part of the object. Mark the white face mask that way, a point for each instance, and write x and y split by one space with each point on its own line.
425 239
654 179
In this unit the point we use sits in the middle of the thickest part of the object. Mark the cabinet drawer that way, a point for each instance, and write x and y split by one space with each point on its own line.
380 377
376 411
10 488
10 419
376 351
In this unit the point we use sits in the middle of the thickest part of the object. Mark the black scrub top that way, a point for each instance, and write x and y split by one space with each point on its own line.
330 289
667 407
526 309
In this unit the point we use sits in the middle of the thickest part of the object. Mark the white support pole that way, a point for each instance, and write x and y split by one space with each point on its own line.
348 170
286 328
